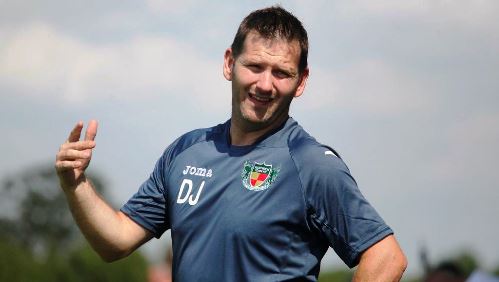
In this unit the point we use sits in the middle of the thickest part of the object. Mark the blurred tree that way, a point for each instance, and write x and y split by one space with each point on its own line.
39 241
79 265
86 263
34 211
16 264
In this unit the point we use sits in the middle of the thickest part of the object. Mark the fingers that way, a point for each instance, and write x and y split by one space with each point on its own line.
72 154
65 165
74 150
76 132
79 145
91 130
90 133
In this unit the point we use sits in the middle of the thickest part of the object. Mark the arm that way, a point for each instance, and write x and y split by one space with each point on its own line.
383 261
111 233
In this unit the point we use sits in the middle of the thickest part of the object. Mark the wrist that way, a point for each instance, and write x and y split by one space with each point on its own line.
73 186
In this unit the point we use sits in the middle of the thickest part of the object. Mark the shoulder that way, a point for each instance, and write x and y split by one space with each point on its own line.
319 167
198 135
309 154
191 138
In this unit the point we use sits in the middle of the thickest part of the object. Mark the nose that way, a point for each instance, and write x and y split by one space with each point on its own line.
264 83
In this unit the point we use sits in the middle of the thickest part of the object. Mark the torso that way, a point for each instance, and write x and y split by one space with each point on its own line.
239 205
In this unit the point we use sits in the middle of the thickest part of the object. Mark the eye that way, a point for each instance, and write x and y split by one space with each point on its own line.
254 67
281 74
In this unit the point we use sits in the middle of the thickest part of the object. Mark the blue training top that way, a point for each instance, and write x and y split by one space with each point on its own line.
264 212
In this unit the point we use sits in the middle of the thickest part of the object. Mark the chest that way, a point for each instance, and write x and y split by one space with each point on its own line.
218 196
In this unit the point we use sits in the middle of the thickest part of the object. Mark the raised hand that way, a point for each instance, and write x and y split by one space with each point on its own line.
74 155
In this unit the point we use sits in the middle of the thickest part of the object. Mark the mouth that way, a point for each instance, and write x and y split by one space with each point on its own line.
260 99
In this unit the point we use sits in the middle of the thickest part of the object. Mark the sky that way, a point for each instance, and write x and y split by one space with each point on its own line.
405 91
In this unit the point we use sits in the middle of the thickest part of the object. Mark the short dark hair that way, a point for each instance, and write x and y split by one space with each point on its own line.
273 22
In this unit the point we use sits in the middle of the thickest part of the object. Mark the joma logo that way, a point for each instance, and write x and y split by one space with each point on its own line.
198 171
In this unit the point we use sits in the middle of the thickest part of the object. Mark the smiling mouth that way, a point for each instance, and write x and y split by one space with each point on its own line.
259 99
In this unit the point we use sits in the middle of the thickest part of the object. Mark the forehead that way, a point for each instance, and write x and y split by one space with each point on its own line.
275 49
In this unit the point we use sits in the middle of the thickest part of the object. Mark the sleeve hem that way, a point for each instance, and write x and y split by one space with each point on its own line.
140 221
354 258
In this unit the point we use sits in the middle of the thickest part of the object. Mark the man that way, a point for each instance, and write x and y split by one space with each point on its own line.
253 199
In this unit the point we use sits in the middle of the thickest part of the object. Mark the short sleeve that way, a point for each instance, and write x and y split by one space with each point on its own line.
148 207
336 207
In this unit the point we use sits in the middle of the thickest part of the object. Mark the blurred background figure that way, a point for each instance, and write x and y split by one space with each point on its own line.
464 267
446 272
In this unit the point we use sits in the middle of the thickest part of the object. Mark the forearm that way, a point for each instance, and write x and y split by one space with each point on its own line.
382 262
111 233
102 226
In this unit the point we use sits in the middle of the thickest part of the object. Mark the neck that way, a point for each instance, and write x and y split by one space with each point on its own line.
242 133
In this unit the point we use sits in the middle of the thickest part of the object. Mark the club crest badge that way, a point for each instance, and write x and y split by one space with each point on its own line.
258 176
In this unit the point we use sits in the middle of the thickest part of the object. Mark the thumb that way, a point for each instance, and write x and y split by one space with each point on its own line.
91 130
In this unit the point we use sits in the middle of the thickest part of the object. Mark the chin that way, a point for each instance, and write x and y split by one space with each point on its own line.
255 118
254 122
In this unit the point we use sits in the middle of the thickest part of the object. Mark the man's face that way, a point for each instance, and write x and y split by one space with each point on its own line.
265 80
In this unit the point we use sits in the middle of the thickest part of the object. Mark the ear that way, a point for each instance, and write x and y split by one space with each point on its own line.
228 64
302 83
